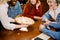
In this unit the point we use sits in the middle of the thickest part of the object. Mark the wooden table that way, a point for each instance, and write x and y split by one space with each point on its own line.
19 35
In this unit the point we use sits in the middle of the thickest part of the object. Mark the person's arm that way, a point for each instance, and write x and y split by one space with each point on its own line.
6 22
46 16
11 19
39 10
51 33
56 25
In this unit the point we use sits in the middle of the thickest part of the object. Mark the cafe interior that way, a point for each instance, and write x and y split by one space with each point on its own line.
33 32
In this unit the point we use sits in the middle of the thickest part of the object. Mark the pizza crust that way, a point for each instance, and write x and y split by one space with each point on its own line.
24 20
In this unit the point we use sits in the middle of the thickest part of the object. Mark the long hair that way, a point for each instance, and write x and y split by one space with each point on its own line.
31 5
30 9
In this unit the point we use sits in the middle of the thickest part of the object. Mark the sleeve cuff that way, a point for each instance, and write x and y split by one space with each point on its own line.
52 24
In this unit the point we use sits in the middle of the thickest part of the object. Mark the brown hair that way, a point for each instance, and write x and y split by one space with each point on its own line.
3 1
32 5
28 2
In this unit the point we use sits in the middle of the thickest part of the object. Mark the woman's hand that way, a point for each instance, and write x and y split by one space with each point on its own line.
41 27
36 17
37 5
47 23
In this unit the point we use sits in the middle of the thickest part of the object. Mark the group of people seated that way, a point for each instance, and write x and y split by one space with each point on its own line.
11 9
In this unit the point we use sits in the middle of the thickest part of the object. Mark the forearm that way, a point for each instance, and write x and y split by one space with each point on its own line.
11 19
8 26
5 20
46 16
56 25
39 11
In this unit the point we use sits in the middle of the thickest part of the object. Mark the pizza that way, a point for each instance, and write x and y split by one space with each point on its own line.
24 20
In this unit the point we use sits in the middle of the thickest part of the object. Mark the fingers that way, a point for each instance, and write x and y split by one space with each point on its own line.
47 23
41 27
36 17
37 5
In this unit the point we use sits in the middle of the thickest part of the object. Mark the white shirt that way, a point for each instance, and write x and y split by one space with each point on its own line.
5 20
54 13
